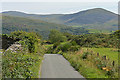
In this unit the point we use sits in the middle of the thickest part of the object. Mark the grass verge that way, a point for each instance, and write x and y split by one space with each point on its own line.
90 65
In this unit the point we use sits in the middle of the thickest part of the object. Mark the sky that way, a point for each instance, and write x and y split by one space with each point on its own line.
59 0
58 6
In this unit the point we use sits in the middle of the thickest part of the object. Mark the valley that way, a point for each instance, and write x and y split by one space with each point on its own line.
88 40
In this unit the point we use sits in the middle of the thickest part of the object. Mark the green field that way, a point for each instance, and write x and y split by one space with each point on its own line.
88 67
109 52
48 45
77 26
98 31
85 68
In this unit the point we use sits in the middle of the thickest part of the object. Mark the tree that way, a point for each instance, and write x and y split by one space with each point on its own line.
56 36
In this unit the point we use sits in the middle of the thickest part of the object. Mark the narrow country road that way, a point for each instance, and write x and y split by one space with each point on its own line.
56 66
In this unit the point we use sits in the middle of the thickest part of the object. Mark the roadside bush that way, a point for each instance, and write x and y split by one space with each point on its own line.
65 47
29 39
18 65
85 54
49 50
56 36
73 43
74 48
97 40
56 44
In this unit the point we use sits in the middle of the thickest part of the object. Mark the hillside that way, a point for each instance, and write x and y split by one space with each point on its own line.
97 18
10 24
91 16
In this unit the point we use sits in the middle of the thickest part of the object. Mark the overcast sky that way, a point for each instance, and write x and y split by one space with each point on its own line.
59 0
58 6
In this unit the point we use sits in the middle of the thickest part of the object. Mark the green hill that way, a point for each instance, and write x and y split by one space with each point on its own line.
96 18
10 24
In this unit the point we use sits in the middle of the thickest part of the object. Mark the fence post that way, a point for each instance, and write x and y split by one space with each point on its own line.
97 54
113 63
104 57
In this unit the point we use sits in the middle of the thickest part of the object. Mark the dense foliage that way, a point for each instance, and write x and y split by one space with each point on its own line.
29 40
7 41
97 40
56 36
79 51
19 65
25 61
87 40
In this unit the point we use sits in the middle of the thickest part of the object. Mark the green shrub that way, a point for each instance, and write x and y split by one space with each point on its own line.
49 50
73 43
18 65
56 36
85 54
74 48
65 47
56 44
28 39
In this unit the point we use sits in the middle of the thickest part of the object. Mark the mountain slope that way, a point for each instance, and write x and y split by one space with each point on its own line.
49 18
97 18
91 16
10 24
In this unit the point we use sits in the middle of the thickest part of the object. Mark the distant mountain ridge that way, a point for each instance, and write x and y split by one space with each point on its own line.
97 18
12 23
91 16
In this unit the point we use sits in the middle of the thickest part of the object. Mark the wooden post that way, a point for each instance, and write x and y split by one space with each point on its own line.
113 63
104 57
91 51
97 54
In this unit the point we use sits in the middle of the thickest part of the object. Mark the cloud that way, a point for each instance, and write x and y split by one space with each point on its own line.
60 0
56 7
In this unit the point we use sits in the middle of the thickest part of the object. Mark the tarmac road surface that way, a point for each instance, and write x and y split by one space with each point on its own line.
56 66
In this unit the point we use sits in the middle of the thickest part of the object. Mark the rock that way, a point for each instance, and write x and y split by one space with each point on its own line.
15 47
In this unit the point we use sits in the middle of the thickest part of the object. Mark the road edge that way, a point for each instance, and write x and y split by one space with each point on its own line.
40 69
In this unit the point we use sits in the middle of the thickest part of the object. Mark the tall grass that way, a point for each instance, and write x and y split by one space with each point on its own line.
92 65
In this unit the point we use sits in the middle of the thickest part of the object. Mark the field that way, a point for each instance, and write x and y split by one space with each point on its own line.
89 67
47 46
98 31
76 26
85 68
109 52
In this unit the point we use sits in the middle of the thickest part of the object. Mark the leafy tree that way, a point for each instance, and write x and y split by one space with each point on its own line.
65 47
56 44
56 36
29 39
